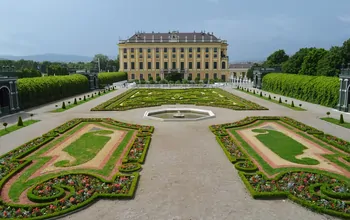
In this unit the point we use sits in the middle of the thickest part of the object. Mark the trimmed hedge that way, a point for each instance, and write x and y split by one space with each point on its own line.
317 190
40 90
67 193
110 78
321 90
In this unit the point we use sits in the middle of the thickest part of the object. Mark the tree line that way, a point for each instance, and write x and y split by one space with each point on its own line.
309 61
30 68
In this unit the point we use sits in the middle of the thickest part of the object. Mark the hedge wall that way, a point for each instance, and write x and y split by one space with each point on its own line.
40 90
321 90
110 78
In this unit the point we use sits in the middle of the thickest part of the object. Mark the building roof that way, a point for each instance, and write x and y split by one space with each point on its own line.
175 36
240 65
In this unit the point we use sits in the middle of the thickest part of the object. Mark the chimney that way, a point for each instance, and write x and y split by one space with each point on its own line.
211 38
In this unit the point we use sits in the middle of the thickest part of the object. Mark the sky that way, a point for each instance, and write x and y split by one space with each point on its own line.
253 28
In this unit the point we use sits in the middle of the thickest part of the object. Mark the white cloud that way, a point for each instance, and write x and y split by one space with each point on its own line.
344 18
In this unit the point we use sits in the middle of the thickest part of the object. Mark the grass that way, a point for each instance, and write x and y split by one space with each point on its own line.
72 105
284 146
85 148
15 127
336 122
296 108
23 183
270 170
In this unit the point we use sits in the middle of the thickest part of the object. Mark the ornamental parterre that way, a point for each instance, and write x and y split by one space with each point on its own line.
320 190
56 194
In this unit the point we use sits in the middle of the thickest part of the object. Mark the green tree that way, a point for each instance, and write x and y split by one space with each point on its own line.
309 66
346 51
293 64
330 64
103 60
251 70
276 58
20 122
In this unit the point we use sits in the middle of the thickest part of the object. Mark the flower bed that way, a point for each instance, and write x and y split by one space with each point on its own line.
141 98
65 193
318 190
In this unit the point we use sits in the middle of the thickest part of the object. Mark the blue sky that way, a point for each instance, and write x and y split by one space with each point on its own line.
253 28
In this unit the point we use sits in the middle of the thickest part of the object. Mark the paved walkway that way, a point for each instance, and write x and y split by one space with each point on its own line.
186 174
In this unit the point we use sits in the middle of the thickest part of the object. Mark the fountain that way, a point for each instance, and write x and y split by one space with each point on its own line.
178 114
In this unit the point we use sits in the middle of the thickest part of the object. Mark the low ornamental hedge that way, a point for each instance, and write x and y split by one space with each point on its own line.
40 90
63 194
317 190
110 78
321 90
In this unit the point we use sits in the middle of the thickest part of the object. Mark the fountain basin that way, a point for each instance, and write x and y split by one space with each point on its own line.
179 114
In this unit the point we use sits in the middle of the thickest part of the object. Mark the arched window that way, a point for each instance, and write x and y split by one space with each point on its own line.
223 65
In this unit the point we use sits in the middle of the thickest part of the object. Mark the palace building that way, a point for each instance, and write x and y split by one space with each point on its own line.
185 55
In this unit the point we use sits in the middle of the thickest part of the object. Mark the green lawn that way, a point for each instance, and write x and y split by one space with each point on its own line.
296 108
15 127
72 105
85 148
284 146
336 121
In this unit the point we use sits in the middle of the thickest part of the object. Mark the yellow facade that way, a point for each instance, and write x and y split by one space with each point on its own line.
142 59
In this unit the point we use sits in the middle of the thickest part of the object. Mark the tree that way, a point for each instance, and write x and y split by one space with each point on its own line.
293 64
5 125
330 64
328 113
309 66
341 120
269 97
276 58
20 122
280 100
103 60
251 71
346 51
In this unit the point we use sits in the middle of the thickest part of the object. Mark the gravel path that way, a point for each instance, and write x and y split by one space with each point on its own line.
186 175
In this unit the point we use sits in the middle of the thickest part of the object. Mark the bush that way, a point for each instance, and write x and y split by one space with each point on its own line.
5 125
110 78
75 101
40 90
260 94
269 97
321 90
63 105
20 122
341 120
292 105
280 100
84 98
328 113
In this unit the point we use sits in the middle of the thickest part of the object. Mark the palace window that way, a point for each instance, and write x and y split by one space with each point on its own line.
149 65
149 50
125 50
149 76
141 65
174 49
190 55
182 65
190 65
140 56
149 56
174 56
157 50
215 50
125 56
206 65
165 50
215 65
207 50
140 50
125 65
190 49
132 50
157 65
198 49
198 56
141 76
165 55
174 65
182 50
189 76
223 65
199 65
182 56
132 65
215 56
132 76
198 75
132 56
215 75
157 75
207 75
206 55
157 56
165 65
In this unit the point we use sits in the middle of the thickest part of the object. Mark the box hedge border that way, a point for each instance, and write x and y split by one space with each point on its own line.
218 132
21 152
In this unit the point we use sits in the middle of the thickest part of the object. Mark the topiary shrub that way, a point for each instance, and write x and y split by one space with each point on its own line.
328 113
280 100
84 98
63 105
341 120
75 101
269 97
20 122
5 125
260 94
292 105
